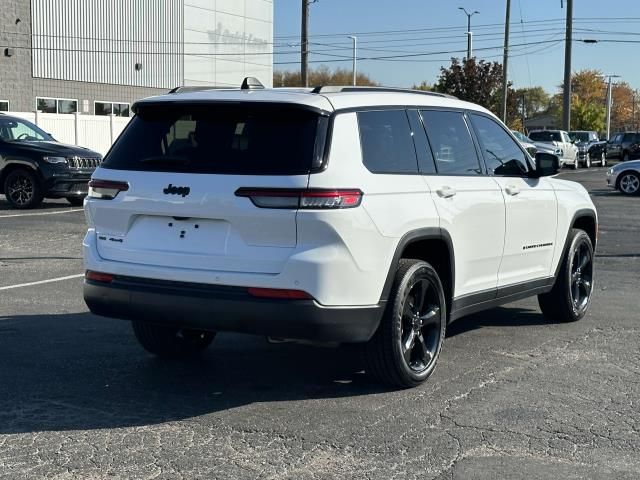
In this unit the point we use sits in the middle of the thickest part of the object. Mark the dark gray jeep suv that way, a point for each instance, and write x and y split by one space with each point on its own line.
33 165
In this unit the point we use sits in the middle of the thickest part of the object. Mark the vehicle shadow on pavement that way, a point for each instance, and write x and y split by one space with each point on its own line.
47 204
81 372
498 317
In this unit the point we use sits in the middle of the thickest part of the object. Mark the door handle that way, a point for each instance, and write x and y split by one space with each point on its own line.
445 192
512 190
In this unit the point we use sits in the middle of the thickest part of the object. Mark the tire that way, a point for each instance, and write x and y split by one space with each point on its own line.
629 183
76 201
570 297
576 163
603 159
625 157
171 342
22 189
587 161
404 350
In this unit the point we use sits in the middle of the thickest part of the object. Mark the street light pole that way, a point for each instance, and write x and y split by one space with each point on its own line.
469 33
355 56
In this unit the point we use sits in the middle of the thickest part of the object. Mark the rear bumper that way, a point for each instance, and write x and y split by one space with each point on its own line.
222 308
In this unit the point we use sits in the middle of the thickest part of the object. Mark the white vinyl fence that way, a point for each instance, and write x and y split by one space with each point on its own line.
97 132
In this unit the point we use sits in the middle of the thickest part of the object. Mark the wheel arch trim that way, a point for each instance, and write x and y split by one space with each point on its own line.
7 166
581 213
428 233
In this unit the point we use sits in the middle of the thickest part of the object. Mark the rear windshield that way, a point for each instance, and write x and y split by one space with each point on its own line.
236 139
545 136
581 136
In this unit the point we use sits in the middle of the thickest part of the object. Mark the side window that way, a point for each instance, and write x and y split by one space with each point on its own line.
501 153
451 142
387 143
423 150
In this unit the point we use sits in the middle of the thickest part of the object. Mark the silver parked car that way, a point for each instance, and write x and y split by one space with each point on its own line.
625 177
533 147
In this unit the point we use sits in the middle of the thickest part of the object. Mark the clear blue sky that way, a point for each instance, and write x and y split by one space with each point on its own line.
438 26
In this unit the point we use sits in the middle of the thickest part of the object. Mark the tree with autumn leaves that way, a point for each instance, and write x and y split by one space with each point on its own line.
480 82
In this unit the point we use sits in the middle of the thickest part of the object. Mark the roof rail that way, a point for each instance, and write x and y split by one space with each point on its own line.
195 88
351 89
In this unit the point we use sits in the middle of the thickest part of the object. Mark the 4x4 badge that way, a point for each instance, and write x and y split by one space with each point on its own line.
173 190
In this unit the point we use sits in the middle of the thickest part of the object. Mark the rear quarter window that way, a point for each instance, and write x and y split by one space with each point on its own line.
387 143
212 138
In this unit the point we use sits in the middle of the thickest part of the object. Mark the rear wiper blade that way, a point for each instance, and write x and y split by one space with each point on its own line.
166 159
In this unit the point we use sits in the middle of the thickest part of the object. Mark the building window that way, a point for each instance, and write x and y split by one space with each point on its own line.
107 108
4 105
56 105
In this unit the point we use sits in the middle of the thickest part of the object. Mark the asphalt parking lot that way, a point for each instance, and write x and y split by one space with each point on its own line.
514 396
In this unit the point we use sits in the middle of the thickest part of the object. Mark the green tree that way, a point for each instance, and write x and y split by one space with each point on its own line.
479 82
322 75
587 101
535 100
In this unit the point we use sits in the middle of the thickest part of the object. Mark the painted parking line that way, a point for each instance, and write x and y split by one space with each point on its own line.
50 280
42 213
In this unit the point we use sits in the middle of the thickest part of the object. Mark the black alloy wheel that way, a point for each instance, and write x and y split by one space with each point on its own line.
22 189
581 276
420 325
404 350
570 297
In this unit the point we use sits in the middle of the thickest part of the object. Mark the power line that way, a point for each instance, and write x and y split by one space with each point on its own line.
584 20
413 55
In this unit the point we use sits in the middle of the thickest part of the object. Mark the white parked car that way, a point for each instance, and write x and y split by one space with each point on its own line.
558 139
338 214
625 177
535 147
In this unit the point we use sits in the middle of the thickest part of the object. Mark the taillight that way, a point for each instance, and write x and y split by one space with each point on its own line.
313 198
106 189
98 276
279 293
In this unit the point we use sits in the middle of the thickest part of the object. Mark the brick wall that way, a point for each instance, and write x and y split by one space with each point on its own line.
16 83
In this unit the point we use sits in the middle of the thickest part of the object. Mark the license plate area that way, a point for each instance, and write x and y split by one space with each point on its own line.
178 235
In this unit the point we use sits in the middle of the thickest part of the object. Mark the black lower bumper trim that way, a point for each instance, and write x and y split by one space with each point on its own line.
232 309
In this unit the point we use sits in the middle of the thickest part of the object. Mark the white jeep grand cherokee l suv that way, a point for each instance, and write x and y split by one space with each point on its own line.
357 215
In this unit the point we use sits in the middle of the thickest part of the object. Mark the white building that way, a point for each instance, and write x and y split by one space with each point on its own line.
99 56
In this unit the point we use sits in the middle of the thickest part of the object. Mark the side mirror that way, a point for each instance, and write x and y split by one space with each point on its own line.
547 164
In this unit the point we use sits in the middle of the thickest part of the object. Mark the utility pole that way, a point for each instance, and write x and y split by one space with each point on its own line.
469 34
523 115
633 117
304 44
609 103
355 53
566 98
505 60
